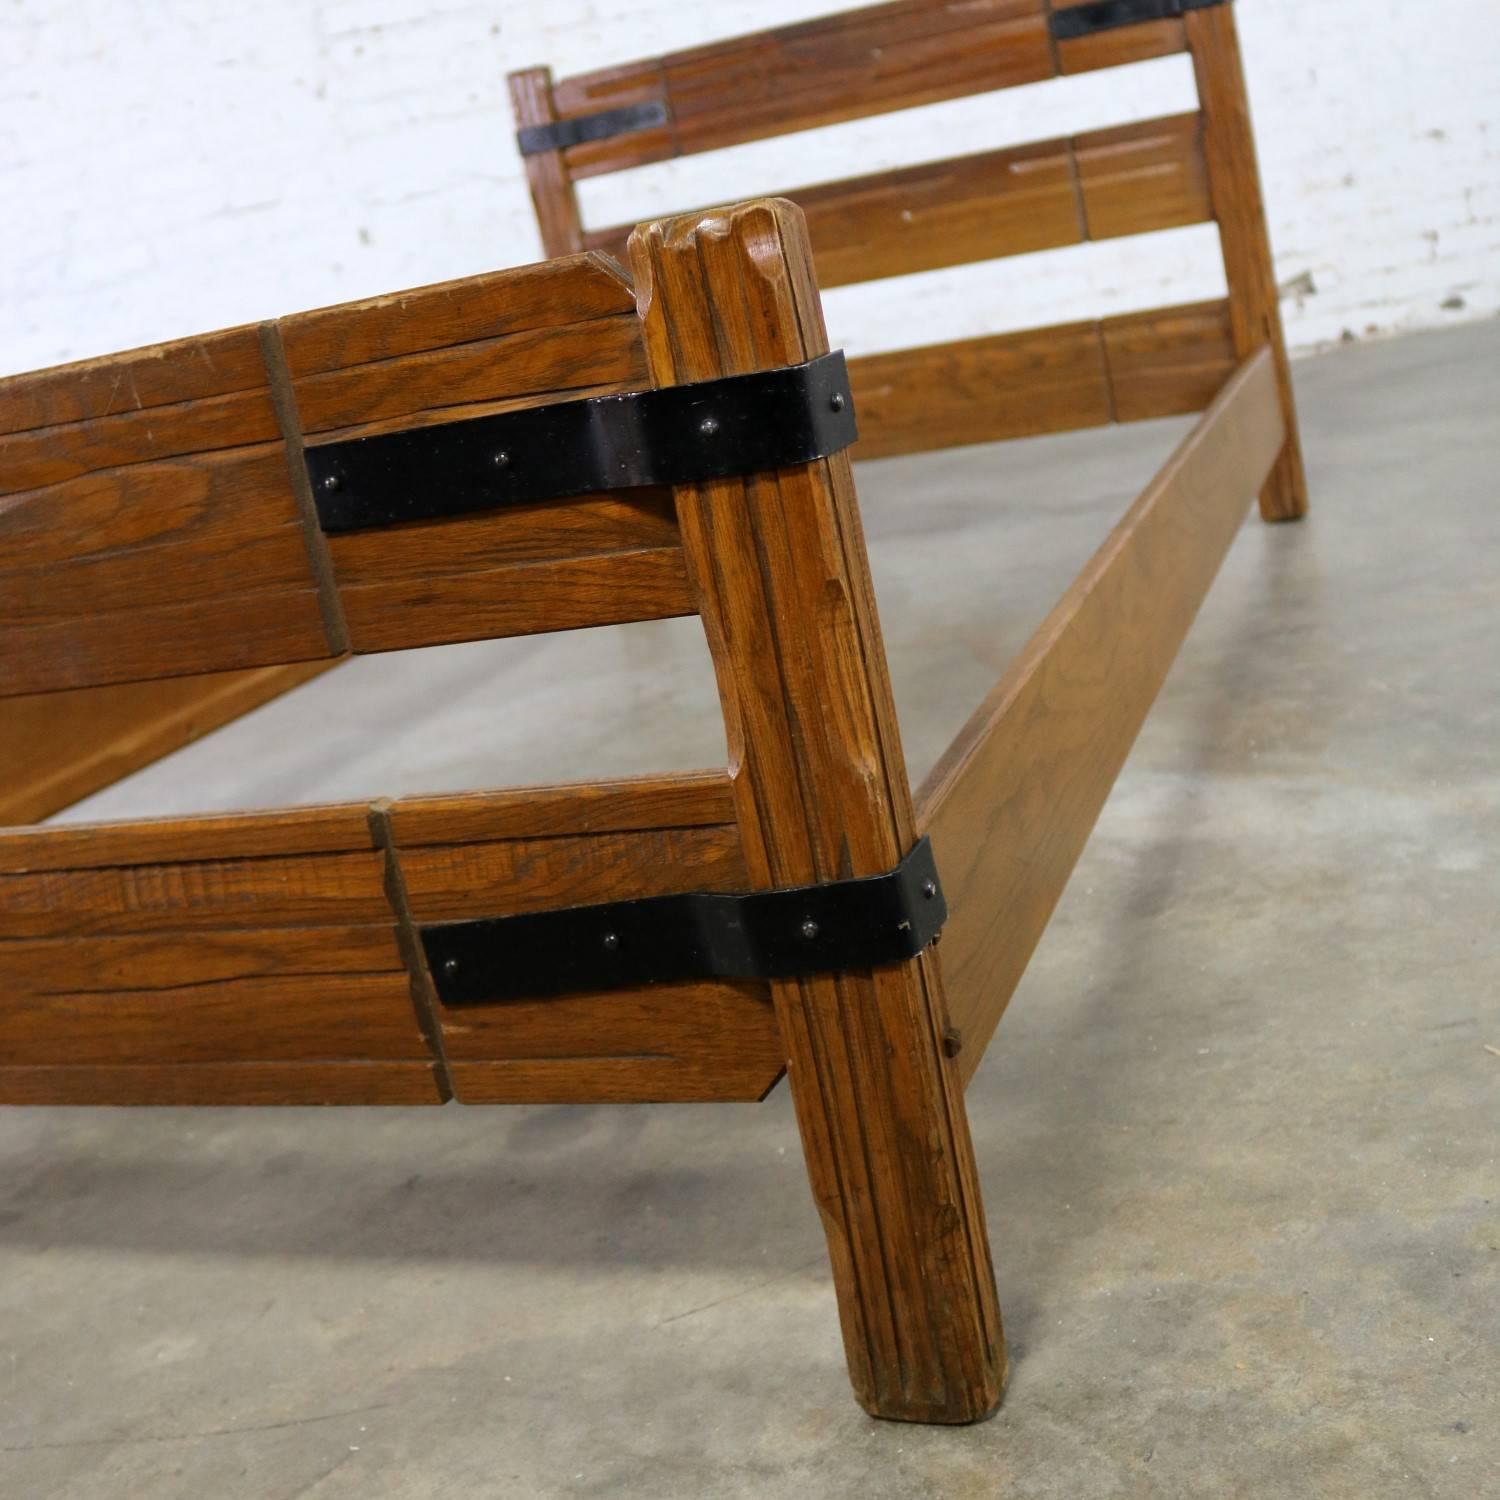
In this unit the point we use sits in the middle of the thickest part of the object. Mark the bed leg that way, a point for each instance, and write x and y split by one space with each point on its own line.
782 582
1234 180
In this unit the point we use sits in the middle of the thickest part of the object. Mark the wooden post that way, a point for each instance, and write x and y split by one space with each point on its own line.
779 568
1234 181
552 191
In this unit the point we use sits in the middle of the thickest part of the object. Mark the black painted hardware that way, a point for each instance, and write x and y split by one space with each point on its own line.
558 135
1084 20
812 929
678 434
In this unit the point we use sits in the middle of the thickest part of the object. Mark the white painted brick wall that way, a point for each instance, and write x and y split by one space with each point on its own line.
171 166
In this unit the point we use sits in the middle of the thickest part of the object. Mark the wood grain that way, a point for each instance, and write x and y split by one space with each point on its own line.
214 364
820 792
575 289
1167 361
1011 803
1125 369
571 593
1119 45
232 958
1140 177
496 854
220 1084
841 67
1234 176
159 540
552 192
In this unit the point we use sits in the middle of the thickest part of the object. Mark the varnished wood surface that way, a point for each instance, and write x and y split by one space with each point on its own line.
1011 804
552 193
1139 177
501 853
820 792
1234 177
841 67
1130 368
271 957
178 537
229 959
1118 45
57 748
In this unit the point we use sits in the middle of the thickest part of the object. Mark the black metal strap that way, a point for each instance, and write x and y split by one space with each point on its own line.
558 135
680 434
813 929
1084 20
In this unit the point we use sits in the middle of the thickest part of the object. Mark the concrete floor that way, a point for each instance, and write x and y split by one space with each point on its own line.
1237 1133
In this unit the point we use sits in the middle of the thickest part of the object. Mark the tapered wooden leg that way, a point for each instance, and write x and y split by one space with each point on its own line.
1234 179
783 585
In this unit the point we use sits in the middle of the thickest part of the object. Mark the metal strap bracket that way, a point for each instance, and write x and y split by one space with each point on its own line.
678 434
558 135
780 934
1105 15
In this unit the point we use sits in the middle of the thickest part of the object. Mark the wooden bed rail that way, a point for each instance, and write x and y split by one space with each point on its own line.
1011 803
267 958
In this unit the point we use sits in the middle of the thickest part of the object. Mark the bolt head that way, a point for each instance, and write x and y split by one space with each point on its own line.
450 966
836 401
929 889
708 426
611 942
501 459
331 482
809 929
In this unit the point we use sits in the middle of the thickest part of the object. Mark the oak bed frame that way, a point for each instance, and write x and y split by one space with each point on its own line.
571 445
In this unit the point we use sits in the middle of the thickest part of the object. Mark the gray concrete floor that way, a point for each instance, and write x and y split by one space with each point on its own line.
1237 1133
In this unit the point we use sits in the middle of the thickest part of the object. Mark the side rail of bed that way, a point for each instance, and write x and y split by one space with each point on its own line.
1011 803
1150 175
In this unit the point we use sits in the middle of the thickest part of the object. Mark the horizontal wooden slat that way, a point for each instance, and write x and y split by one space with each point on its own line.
150 962
57 748
737 1075
224 1084
1168 362
496 854
1118 45
1130 368
456 882
631 520
1141 177
152 841
571 290
691 799
242 1020
50 455
840 67
189 369
1011 803
980 390
275 891
178 640
167 960
571 594
542 361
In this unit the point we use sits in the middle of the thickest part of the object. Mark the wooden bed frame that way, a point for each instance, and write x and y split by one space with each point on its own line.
329 954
